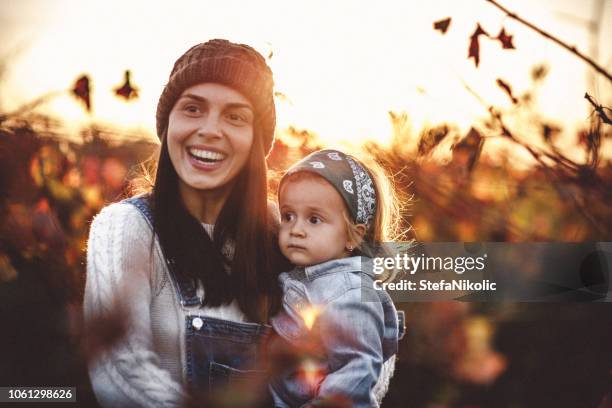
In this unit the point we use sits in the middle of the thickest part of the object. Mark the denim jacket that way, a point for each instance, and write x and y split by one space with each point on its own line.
356 327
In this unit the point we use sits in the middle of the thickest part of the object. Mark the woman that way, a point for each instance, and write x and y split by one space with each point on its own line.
198 291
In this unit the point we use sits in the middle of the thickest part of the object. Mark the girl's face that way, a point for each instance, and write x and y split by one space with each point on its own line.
313 228
210 134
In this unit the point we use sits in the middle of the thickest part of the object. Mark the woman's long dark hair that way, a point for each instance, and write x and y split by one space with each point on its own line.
244 221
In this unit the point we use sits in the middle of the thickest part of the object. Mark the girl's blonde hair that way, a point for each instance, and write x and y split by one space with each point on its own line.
386 227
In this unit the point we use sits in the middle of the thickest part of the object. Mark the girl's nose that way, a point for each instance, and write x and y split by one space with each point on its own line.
297 229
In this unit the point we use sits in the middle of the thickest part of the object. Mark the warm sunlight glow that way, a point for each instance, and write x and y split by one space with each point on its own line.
309 315
342 66
311 372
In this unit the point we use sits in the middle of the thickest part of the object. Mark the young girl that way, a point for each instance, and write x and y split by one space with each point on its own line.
333 212
191 263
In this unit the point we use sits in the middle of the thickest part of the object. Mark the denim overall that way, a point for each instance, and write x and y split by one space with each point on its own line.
218 352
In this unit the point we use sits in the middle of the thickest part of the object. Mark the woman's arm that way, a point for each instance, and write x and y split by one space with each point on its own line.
351 331
119 268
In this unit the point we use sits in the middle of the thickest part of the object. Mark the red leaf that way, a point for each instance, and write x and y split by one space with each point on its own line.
467 151
474 50
505 39
81 91
102 330
550 132
442 25
126 90
506 87
431 138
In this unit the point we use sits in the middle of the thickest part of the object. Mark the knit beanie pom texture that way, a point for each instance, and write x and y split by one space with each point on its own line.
220 61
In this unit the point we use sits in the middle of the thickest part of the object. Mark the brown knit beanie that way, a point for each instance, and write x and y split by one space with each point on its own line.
235 65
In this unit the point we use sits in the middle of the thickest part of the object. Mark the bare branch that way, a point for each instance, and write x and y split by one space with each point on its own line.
561 191
30 105
599 108
568 47
539 155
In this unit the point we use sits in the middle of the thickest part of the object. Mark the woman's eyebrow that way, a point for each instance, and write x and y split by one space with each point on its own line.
194 97
231 105
238 105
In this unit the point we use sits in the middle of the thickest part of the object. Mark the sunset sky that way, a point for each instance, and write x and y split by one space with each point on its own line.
342 64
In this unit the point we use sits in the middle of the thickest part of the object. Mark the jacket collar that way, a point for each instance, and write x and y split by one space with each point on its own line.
352 264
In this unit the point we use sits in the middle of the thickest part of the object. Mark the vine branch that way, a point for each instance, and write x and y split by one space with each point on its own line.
599 109
30 105
538 155
568 47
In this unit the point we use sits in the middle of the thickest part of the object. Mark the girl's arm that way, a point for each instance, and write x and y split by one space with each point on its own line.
119 269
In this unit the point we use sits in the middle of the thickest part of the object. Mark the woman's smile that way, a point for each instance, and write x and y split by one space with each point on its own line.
206 158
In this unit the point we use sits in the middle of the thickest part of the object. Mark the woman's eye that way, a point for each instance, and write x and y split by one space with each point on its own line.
191 109
234 117
314 220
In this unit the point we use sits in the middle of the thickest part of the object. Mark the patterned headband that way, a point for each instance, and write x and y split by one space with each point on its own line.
348 177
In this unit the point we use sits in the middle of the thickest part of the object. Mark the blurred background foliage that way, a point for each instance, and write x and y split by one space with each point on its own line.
453 188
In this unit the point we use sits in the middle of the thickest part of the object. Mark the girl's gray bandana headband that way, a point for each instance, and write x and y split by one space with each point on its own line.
348 177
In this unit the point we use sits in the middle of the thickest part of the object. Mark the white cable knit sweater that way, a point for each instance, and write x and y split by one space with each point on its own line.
147 368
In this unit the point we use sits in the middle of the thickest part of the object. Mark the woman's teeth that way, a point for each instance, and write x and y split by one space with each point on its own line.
206 155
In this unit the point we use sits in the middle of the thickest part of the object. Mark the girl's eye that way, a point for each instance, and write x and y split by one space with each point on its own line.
287 217
314 220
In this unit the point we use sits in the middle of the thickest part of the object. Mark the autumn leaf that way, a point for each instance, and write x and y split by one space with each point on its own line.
505 39
82 91
550 132
282 97
442 25
8 272
431 138
506 87
127 91
539 72
474 50
102 330
479 363
467 151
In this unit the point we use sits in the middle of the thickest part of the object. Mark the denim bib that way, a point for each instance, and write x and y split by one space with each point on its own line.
218 352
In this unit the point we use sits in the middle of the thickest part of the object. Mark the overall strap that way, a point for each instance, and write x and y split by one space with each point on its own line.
401 323
186 288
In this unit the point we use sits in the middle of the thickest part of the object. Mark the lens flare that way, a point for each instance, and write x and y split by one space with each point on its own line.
309 315
311 372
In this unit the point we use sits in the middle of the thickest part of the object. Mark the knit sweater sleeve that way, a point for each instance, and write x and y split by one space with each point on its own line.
119 273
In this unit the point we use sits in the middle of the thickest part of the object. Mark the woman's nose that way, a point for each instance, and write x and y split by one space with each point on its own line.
209 126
